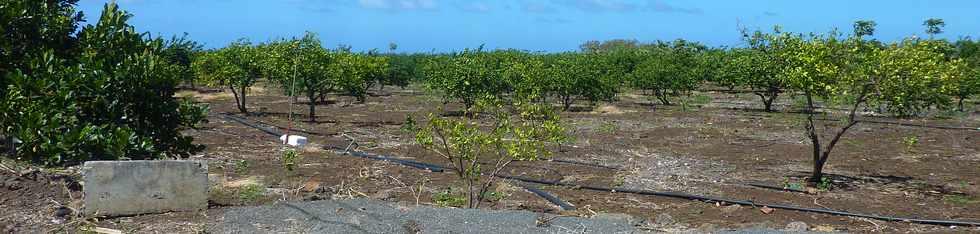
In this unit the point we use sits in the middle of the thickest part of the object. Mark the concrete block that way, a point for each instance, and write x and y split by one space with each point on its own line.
114 188
294 140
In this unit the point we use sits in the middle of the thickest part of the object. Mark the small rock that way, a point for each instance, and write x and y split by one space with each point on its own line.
62 212
797 227
664 219
766 210
311 186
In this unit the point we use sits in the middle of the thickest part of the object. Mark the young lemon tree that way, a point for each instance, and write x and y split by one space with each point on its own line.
847 72
237 66
968 84
479 151
672 70
355 73
573 76
312 74
757 69
465 76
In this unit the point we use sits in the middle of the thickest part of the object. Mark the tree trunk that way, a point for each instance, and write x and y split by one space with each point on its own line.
817 174
959 103
768 98
312 105
811 132
820 158
566 101
768 104
242 107
238 101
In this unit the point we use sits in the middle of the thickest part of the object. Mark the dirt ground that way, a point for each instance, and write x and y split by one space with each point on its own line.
713 143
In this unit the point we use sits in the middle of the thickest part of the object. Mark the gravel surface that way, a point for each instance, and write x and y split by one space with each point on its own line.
372 216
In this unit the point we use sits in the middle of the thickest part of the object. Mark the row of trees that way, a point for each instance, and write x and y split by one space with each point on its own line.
666 70
99 92
299 66
471 74
904 78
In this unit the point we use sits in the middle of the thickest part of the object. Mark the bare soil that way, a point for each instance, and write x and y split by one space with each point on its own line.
714 147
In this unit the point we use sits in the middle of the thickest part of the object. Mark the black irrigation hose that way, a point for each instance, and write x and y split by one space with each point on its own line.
437 168
418 165
548 196
255 126
726 200
747 203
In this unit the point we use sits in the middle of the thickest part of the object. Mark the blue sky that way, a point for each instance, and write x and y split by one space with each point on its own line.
536 25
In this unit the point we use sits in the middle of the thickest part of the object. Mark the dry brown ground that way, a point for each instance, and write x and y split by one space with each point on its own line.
712 146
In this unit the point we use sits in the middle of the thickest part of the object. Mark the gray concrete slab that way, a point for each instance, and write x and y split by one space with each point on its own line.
116 188
372 216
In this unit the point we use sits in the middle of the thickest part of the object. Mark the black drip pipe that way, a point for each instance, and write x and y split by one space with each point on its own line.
255 126
437 168
548 196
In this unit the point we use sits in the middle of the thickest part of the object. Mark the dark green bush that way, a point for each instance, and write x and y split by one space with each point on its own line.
104 93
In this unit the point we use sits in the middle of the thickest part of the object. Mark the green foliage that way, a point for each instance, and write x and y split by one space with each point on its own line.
494 196
913 75
303 67
469 145
181 51
31 28
967 80
934 26
798 186
251 193
671 70
902 78
864 28
754 68
237 66
105 93
289 158
960 199
824 183
403 70
607 128
572 76
354 73
448 199
910 142
465 76
618 180
241 166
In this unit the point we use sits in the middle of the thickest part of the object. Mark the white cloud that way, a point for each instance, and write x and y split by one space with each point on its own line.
476 7
398 4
